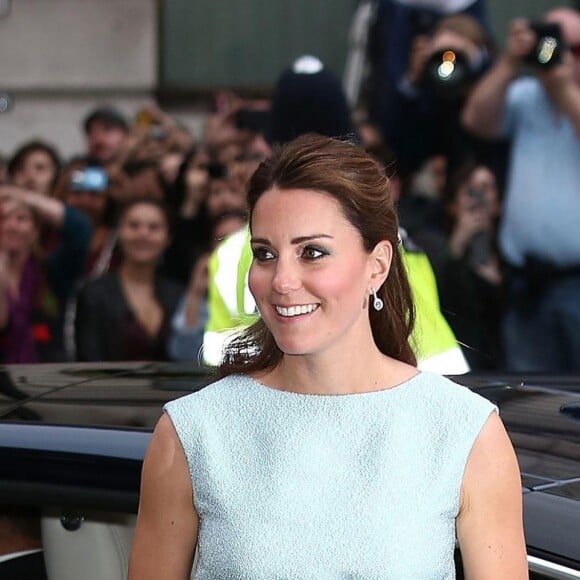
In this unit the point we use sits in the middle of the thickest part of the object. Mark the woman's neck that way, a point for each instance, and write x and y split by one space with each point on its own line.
17 261
361 370
137 273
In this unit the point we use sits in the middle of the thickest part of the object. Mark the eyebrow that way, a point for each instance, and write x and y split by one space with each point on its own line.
298 240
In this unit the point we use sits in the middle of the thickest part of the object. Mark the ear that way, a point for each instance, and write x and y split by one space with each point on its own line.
380 261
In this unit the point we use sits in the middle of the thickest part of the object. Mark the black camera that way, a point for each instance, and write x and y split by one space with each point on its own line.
478 198
548 49
447 73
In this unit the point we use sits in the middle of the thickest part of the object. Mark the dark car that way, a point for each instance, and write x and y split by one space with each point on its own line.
73 437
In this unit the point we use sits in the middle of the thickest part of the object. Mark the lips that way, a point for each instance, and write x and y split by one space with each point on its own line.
297 310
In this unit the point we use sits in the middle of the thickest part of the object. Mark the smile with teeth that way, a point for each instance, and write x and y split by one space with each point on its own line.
296 310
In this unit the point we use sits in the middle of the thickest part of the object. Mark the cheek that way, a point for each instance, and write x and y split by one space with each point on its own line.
258 282
163 240
337 284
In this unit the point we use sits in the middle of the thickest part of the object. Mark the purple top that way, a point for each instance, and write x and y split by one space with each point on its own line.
18 342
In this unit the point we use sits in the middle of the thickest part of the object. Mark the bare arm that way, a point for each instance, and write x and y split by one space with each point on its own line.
483 111
50 209
489 525
166 530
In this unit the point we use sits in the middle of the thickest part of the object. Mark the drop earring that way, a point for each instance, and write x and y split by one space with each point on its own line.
377 302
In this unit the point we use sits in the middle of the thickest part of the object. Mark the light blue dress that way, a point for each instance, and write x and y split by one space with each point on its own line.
296 486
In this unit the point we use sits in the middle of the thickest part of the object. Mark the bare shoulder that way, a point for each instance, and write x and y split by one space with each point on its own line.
492 449
164 444
165 469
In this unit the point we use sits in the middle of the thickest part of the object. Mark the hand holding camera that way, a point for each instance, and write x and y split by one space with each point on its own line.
538 44
542 47
447 63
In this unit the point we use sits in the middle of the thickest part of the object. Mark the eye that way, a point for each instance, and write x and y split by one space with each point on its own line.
313 253
262 254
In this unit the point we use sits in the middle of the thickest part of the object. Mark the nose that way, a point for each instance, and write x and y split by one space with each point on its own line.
286 276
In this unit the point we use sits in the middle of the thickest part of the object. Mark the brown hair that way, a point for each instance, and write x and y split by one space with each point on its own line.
347 173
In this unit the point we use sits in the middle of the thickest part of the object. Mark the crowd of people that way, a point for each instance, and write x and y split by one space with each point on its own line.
109 255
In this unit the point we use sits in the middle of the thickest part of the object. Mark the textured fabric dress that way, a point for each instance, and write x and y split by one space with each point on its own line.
300 486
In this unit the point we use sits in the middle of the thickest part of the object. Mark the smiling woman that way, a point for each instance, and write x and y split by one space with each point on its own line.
322 452
126 315
35 285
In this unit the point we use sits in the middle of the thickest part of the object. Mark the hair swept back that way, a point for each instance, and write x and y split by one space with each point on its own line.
347 173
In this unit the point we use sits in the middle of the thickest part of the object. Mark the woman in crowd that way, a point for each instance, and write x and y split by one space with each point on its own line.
35 166
470 279
323 452
35 285
126 315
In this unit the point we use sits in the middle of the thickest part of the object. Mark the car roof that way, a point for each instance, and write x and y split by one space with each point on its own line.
95 394
541 412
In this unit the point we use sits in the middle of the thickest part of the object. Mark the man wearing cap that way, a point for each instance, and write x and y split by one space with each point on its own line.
106 131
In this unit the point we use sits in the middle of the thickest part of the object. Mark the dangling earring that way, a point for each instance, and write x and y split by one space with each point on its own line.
377 302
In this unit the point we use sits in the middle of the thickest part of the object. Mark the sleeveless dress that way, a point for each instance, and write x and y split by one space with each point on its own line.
301 486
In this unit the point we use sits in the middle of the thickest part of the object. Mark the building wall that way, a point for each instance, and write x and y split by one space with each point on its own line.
60 58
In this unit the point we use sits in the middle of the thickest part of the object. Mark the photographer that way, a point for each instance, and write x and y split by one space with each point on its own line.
423 116
538 234
470 278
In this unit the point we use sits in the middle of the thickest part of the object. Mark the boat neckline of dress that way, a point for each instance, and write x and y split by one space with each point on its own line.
395 388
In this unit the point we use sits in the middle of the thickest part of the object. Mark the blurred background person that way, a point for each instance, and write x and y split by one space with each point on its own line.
187 201
397 24
87 189
423 116
540 112
106 133
35 286
35 166
224 192
470 278
126 315
192 314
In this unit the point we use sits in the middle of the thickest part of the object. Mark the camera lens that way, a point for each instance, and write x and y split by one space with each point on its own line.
447 66
547 51
447 74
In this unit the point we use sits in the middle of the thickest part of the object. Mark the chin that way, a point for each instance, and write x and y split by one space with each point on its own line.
294 348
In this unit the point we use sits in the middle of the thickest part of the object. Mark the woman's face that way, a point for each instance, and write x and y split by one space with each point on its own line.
310 274
224 196
479 191
19 231
483 180
143 234
37 172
